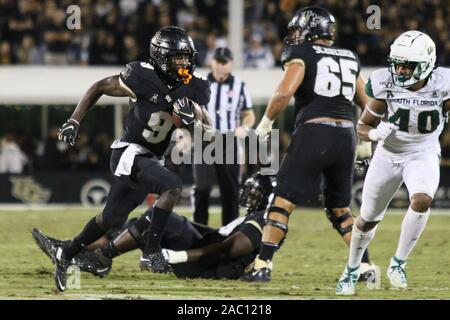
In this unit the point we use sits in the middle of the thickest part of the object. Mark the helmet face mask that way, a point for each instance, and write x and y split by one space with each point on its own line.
168 47
256 192
412 58
310 24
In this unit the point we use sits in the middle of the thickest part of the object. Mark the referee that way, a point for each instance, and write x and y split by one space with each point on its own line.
231 111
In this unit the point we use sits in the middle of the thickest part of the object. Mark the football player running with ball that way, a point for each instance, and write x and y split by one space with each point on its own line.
406 116
163 89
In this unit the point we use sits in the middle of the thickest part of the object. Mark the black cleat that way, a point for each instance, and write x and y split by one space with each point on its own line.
155 262
94 262
47 244
260 275
61 264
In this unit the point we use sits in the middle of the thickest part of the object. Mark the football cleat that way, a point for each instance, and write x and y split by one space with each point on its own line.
347 282
61 264
369 273
397 274
259 271
94 262
260 275
47 244
155 262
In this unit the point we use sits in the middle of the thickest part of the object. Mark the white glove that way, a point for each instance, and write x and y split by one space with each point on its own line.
364 150
174 257
383 130
264 127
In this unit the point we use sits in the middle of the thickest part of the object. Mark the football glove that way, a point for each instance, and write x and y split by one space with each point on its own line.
264 127
69 132
360 165
383 130
184 109
364 150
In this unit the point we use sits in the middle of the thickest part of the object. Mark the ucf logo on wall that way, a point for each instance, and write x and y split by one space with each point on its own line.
29 190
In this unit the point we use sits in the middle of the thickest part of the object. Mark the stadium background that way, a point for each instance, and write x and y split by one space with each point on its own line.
45 68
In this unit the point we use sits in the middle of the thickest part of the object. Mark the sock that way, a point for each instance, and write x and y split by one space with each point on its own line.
110 250
358 245
267 251
412 226
159 221
365 258
90 233
143 223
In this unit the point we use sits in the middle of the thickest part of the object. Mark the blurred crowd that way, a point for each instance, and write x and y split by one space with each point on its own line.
114 32
19 153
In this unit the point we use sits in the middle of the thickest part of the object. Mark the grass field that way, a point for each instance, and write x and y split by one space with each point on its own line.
307 267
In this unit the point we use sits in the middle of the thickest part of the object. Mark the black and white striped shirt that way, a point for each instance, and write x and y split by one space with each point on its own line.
227 101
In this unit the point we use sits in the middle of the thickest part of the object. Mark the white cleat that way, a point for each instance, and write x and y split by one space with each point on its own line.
397 274
370 274
347 282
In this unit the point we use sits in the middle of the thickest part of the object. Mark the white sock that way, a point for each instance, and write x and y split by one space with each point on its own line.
358 244
412 226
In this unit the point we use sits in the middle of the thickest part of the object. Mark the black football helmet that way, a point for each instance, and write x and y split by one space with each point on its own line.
255 192
310 24
166 45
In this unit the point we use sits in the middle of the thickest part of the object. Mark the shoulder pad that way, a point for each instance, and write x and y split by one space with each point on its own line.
380 82
137 76
441 80
296 51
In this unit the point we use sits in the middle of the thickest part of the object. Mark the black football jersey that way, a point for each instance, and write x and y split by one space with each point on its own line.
329 84
149 119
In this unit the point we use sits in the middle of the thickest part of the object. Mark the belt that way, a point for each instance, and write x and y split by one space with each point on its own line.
340 124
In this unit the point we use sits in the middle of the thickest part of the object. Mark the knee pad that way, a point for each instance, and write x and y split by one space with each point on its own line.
274 223
337 221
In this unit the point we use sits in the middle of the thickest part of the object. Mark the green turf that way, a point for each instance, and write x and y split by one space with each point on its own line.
307 267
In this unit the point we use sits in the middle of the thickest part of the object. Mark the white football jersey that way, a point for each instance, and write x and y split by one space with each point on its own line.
418 114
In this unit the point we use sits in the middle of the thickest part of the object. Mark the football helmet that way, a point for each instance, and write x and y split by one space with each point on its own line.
310 24
168 47
414 51
256 192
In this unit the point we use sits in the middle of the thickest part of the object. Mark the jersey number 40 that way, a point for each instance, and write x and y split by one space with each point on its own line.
427 121
334 78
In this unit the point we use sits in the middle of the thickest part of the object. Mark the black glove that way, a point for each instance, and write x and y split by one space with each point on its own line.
360 165
185 110
69 132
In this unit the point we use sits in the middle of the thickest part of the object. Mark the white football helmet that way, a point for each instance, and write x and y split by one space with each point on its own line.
417 51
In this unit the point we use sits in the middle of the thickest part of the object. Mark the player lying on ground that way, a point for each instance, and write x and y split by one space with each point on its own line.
160 91
194 250
414 97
